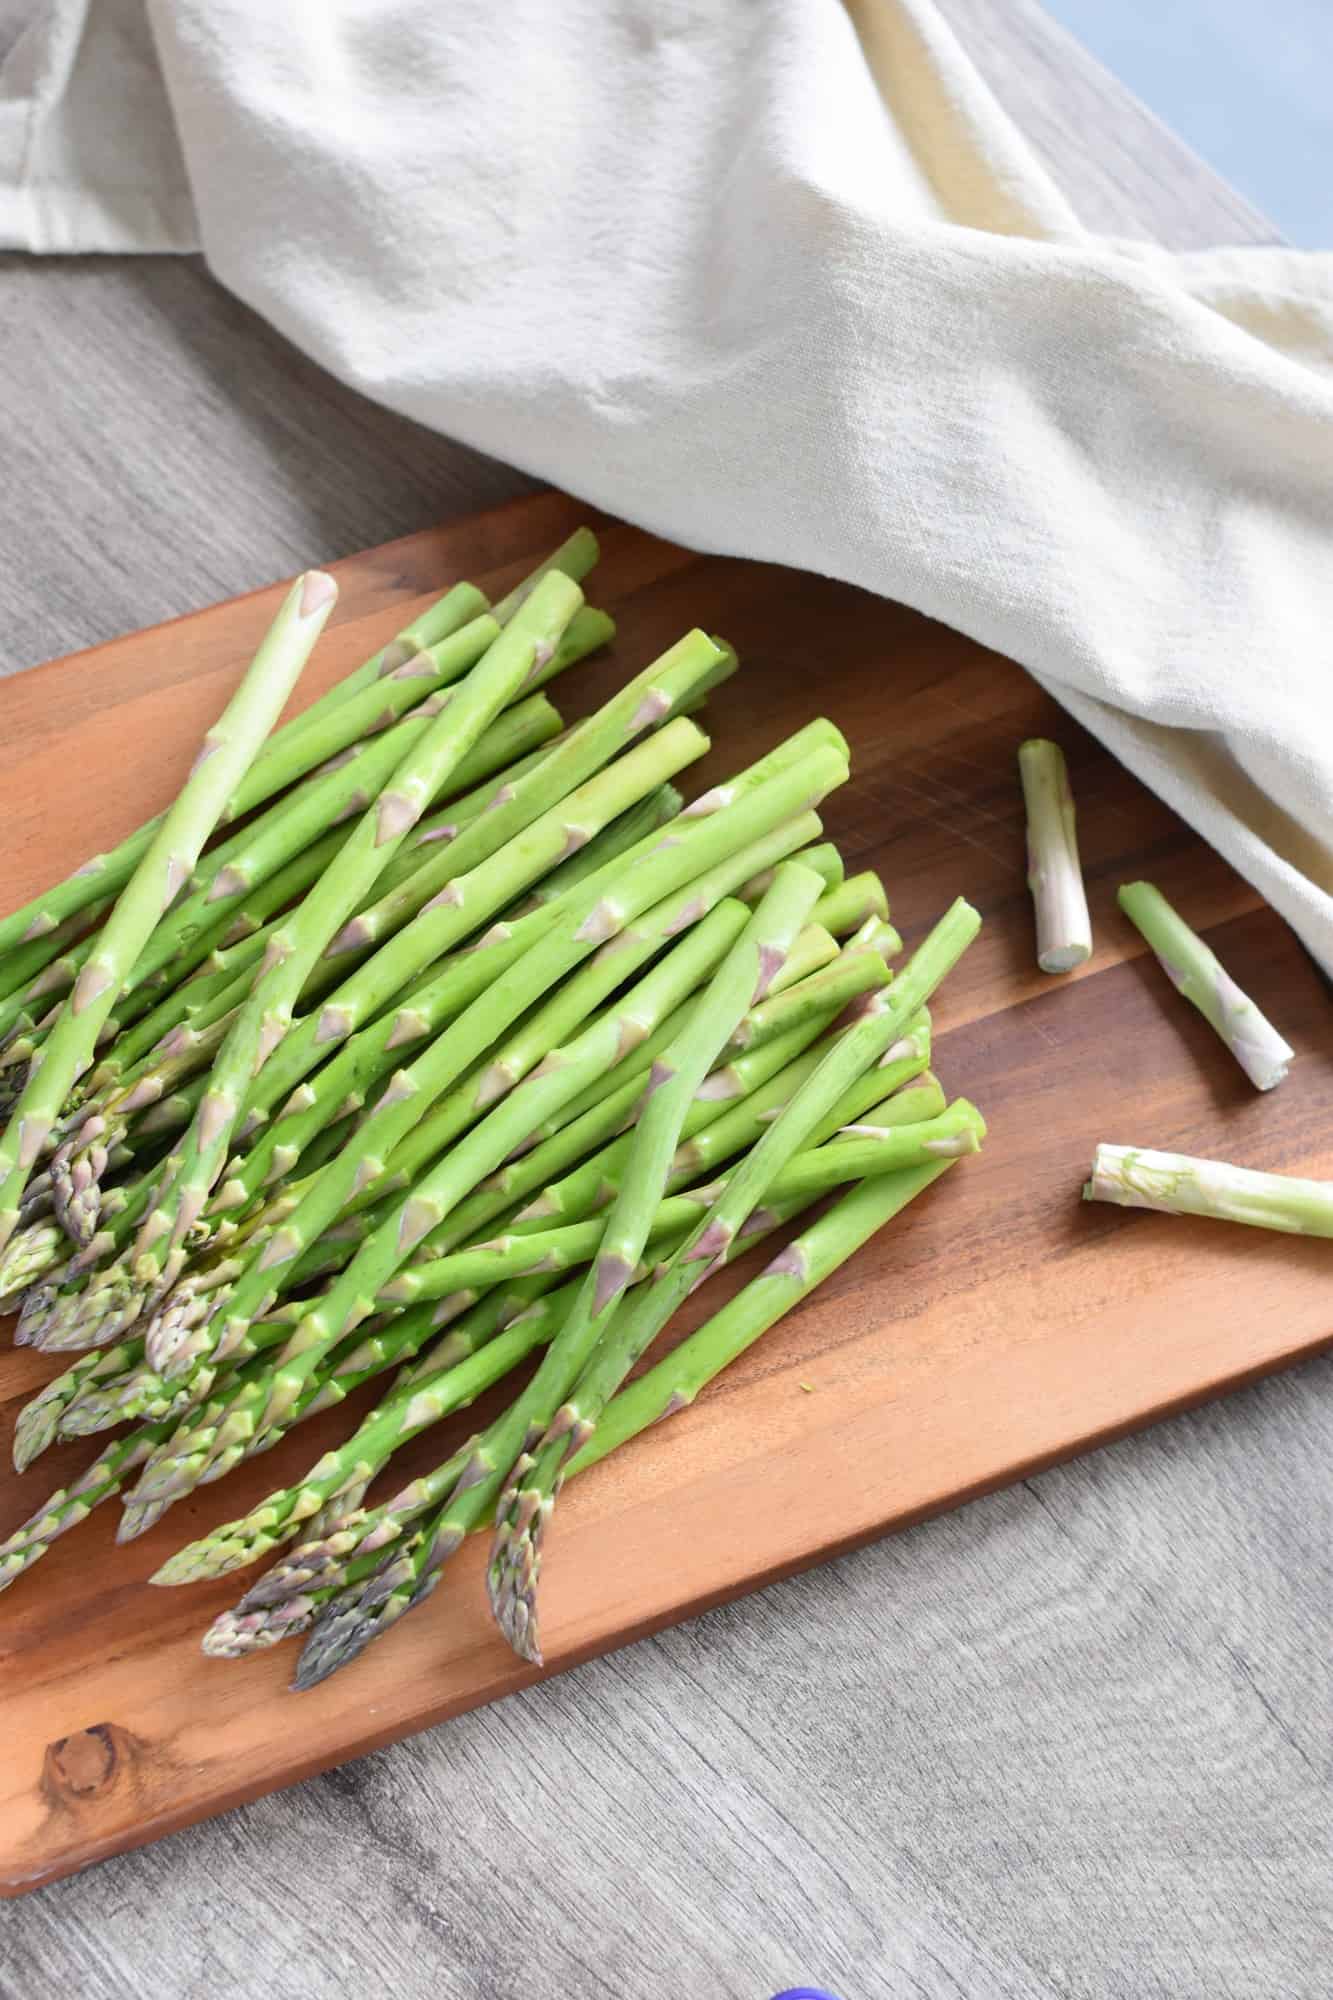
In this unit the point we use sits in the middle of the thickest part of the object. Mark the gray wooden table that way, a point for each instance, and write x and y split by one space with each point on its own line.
1073 1741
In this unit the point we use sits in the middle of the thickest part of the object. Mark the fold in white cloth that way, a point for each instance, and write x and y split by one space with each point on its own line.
776 279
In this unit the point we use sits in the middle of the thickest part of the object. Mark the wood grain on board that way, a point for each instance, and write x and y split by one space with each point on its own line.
1000 1324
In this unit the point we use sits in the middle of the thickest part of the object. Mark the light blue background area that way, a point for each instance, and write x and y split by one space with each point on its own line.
1248 83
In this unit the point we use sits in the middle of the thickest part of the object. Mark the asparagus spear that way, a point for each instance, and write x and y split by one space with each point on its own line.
366 1059
42 1418
1194 971
343 1546
873 1149
1176 1184
593 917
810 1258
494 1455
848 905
553 1433
1064 931
575 556
296 748
348 1468
228 750
275 767
266 1016
213 917
328 1319
644 703
490 877
824 858
471 901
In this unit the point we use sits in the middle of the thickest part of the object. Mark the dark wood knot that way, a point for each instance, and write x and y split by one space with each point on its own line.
82 1767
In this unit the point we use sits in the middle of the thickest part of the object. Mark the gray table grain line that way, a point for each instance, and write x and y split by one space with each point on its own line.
1069 1744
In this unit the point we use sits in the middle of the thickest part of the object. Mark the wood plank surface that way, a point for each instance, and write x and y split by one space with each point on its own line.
998 1326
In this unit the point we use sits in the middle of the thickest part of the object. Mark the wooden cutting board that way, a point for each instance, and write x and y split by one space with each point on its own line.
999 1325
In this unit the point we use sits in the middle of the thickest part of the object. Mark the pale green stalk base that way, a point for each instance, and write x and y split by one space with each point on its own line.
1176 1184
1194 971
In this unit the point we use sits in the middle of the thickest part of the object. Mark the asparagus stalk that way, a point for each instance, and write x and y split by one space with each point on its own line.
69 1505
553 1433
1194 971
575 556
851 974
644 703
266 1016
471 899
1064 930
367 1058
42 1419
764 942
282 760
824 858
347 1470
344 1545
873 1149
1176 1184
848 905
732 1109
449 820
228 750
231 873
326 1322
544 1030
811 1257
734 827
300 744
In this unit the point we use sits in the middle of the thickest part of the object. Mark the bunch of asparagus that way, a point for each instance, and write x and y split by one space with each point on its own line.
428 1035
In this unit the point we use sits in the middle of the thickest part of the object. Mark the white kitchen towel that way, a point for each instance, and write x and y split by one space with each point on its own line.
776 278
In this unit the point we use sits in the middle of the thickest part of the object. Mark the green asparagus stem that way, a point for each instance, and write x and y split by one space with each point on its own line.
281 761
473 898
365 1061
733 826
343 1546
1064 930
575 556
1194 971
873 1149
1176 1184
644 703
331 1318
551 1433
850 904
810 1258
823 858
71 1504
350 1467
266 1016
303 743
228 750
